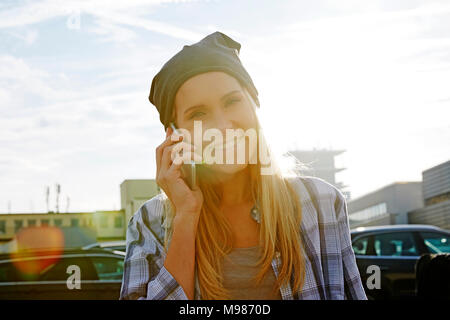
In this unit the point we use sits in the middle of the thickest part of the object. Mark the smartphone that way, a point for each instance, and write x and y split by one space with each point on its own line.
188 170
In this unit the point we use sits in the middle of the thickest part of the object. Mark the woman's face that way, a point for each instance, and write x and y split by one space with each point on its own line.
220 102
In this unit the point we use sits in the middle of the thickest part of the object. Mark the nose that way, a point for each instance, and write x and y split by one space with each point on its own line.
223 122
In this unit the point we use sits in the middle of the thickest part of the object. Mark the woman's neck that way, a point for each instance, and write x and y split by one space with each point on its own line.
236 188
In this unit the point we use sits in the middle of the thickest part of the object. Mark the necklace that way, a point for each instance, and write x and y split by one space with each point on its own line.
256 215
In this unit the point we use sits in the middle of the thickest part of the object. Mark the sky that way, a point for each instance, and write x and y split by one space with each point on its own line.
370 77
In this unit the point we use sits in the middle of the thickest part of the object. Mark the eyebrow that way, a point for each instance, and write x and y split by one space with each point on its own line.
221 99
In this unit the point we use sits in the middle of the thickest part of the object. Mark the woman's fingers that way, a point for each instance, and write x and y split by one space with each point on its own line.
178 162
171 138
184 152
178 153
160 149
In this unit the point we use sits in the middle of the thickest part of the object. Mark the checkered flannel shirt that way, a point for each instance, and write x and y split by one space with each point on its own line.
331 270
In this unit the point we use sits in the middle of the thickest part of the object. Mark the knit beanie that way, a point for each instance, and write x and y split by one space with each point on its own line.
215 52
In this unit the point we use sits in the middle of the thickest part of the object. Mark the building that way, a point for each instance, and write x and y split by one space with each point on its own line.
110 225
320 163
107 225
133 193
436 197
386 206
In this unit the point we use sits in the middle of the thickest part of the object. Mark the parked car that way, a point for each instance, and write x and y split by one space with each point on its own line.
395 250
43 274
109 245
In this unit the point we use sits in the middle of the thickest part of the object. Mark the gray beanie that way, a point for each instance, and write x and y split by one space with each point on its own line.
215 52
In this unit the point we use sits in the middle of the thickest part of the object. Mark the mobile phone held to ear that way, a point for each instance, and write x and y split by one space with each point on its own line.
189 170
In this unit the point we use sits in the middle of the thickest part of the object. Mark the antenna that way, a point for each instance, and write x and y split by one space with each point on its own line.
47 193
67 203
58 190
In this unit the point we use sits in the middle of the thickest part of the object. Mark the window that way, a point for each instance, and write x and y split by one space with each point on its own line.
45 222
2 226
57 270
437 199
395 244
436 242
108 268
360 246
58 222
18 224
103 222
74 222
370 213
31 222
118 222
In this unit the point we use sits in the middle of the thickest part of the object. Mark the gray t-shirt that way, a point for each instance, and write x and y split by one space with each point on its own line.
239 270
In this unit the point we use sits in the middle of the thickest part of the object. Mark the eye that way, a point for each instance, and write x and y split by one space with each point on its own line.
232 101
196 114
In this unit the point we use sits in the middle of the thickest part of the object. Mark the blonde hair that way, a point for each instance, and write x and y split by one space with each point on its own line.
281 213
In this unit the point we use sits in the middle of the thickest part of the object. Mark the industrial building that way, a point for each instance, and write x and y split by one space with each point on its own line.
425 202
385 206
106 225
436 197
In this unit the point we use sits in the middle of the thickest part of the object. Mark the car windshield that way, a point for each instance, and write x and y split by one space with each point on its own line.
436 242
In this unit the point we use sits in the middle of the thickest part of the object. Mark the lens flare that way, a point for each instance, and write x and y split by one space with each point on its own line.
33 243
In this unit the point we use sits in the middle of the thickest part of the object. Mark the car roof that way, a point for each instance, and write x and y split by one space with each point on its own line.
397 227
105 244
113 243
57 251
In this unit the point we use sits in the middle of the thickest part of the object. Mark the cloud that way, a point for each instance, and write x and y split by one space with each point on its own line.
118 12
28 38
111 32
24 86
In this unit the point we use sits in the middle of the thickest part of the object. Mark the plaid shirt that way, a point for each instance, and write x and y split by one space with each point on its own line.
331 270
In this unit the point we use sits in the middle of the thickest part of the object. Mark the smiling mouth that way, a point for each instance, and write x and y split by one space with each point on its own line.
231 143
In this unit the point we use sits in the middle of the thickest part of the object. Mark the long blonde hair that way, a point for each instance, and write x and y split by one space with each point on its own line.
281 214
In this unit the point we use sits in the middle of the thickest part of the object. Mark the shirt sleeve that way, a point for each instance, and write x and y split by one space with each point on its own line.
353 288
144 275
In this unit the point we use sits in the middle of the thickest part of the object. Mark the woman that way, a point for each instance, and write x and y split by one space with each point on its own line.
241 232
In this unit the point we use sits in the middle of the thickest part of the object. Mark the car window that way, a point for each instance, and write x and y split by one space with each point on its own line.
8 273
436 242
24 269
58 271
360 246
108 268
45 269
395 244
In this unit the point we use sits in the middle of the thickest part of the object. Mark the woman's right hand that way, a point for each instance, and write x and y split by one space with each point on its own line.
187 203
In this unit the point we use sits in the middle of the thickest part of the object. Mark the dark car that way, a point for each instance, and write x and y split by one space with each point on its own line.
44 274
395 250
